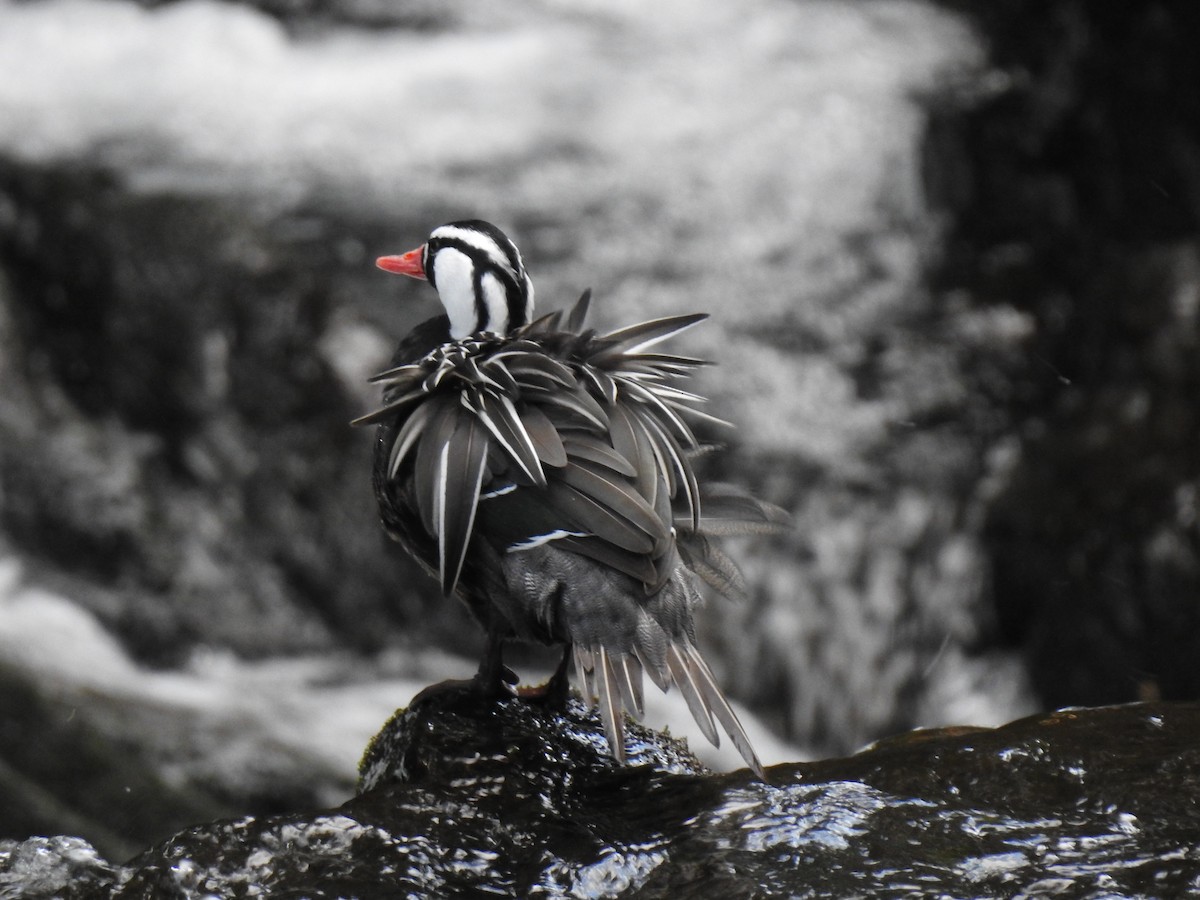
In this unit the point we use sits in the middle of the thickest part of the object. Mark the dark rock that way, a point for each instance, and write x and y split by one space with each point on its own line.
1074 192
53 868
464 797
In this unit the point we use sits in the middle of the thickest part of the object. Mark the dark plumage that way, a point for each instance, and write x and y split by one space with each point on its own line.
542 472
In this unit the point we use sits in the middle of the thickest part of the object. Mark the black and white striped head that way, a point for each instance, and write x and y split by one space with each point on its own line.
478 274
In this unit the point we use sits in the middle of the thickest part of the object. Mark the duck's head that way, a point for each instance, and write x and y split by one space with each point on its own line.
478 274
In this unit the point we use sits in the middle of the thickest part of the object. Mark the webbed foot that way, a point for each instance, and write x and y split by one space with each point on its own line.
555 693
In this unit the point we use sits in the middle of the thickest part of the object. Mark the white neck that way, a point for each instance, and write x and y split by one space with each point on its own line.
453 273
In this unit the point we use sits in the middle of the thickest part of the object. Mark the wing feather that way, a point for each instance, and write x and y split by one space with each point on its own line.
636 565
635 338
630 440
583 513
581 403
648 397
674 363
501 418
702 416
410 432
456 499
536 364
498 375
674 395
578 314
390 408
604 384
678 464
545 437
443 419
621 434
551 321
399 378
594 449
617 496
729 510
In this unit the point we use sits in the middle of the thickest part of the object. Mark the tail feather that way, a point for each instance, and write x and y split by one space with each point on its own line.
719 706
650 644
657 671
613 681
611 710
585 666
685 679
629 680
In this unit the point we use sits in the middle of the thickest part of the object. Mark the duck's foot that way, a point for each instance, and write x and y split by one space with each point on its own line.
493 681
555 693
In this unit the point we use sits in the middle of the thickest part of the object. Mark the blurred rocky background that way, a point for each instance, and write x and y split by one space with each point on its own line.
952 254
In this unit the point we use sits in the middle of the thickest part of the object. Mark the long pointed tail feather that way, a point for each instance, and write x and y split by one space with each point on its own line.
614 683
719 707
684 678
585 667
611 708
629 679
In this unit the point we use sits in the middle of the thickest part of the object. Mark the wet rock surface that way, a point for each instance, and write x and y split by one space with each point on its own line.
459 796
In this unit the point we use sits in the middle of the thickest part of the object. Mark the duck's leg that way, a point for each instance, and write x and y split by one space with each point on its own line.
494 678
558 688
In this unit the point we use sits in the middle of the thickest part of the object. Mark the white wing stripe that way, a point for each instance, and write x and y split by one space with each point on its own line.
538 539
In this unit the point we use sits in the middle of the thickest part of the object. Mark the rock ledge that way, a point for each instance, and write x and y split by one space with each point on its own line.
462 796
